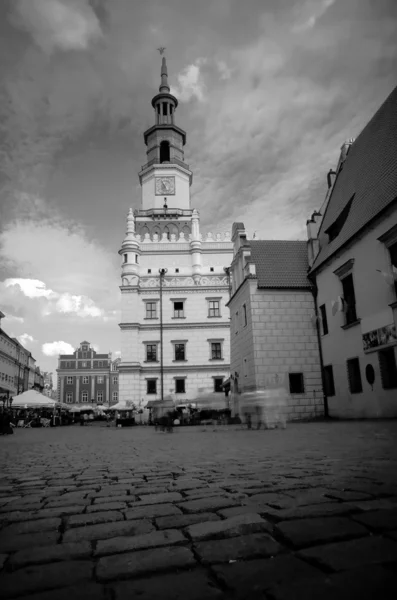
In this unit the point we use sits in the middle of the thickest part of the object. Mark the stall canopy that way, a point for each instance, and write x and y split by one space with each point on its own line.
127 405
33 399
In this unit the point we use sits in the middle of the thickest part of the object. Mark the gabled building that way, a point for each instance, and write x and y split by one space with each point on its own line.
174 322
353 257
274 341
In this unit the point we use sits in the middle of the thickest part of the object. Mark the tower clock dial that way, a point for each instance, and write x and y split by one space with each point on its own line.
165 185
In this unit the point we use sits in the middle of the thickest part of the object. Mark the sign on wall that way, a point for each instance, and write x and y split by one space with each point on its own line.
379 337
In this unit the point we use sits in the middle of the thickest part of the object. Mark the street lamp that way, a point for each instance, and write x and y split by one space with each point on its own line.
162 275
227 271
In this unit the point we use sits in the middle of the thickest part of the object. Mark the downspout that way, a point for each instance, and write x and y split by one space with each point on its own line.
314 291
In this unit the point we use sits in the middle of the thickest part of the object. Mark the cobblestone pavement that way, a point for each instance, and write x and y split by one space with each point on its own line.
105 513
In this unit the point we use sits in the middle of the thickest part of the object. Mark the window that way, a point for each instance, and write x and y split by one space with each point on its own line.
329 381
178 310
151 352
69 380
99 397
218 382
84 396
149 271
85 379
84 348
115 379
216 350
84 354
245 315
125 258
151 310
84 364
136 258
164 148
69 397
354 376
176 270
296 385
151 386
100 379
393 258
211 269
323 313
388 369
214 309
349 298
179 386
115 396
236 323
334 230
180 352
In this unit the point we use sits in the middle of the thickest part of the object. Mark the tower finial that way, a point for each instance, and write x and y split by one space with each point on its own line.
164 87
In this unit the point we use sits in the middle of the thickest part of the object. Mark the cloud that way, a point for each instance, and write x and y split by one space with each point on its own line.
223 69
191 83
311 12
25 339
56 348
59 24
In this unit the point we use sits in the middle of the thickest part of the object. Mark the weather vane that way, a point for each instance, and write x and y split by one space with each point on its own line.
161 49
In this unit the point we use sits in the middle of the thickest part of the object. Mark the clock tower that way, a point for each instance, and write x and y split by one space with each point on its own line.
165 178
174 290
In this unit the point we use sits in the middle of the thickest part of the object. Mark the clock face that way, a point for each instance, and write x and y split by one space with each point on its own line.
165 186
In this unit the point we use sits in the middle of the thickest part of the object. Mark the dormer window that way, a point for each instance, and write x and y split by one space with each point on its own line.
334 230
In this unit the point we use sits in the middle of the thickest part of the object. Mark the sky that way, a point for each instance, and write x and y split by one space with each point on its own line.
268 91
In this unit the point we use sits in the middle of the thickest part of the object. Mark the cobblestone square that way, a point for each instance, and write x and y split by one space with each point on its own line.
100 512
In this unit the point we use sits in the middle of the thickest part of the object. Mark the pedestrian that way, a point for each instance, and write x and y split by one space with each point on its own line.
81 419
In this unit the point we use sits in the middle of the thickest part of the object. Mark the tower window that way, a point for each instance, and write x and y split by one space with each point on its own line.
164 108
164 152
158 109
171 109
125 258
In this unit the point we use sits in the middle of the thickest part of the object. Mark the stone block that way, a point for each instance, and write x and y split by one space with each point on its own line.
191 585
249 579
47 554
45 577
154 539
80 591
61 511
110 499
234 526
151 511
178 521
207 504
12 543
94 518
106 507
3 558
308 532
239 510
186 484
106 531
157 499
380 520
306 512
258 545
35 526
354 553
144 562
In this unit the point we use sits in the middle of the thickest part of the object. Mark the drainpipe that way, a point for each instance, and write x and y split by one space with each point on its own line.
315 293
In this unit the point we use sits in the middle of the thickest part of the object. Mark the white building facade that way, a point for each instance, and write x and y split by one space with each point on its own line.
175 337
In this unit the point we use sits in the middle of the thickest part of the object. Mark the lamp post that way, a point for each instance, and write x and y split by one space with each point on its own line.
227 271
162 274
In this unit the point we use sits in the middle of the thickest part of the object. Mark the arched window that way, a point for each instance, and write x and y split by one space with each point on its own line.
167 232
164 152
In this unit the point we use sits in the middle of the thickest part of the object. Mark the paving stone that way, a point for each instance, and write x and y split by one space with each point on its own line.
106 531
348 495
307 512
157 499
105 507
31 499
234 526
240 510
19 542
94 518
207 504
155 539
365 584
354 553
110 499
47 554
44 577
249 579
148 490
60 511
380 520
187 484
191 585
81 591
35 526
177 521
308 532
152 511
3 558
207 490
109 492
257 545
146 561
67 502
378 504
392 534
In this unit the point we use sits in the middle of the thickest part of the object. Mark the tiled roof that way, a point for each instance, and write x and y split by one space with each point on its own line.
280 264
369 173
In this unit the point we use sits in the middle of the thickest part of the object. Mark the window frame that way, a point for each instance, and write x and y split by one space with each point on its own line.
214 312
100 379
179 380
176 344
151 345
83 380
213 354
115 396
389 382
358 384
148 313
84 393
69 394
177 313
115 379
221 379
150 381
351 311
296 374
99 394
69 380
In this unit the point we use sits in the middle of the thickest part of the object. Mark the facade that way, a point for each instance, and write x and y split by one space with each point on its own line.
18 371
274 341
114 381
353 256
84 376
48 384
174 324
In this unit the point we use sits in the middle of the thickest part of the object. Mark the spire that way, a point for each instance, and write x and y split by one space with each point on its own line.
164 87
130 223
